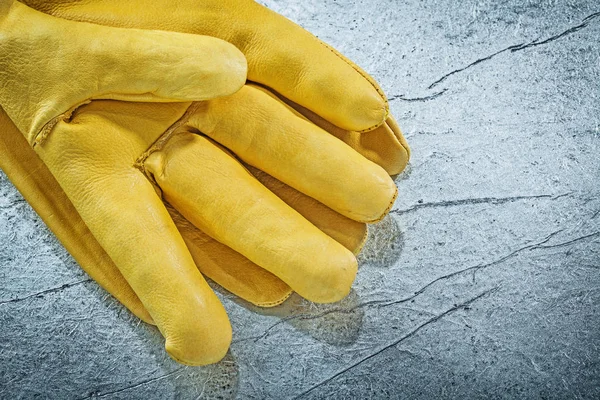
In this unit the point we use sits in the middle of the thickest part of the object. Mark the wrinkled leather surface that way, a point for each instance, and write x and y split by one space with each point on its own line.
314 78
93 153
50 65
123 211
81 167
265 133
211 189
41 190
280 54
222 198
215 260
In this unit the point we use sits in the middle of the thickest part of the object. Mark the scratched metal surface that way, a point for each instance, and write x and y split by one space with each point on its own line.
482 283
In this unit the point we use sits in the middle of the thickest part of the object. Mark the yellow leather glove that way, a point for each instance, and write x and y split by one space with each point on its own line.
309 75
337 85
170 287
220 263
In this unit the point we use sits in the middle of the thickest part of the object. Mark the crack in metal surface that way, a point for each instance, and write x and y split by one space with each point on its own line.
569 242
396 342
420 99
13 203
135 385
43 292
386 303
478 200
518 47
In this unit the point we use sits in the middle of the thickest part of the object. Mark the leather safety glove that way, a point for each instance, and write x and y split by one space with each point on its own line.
50 66
308 74
92 167
215 260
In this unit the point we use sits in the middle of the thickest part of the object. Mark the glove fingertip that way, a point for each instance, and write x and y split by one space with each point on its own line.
207 68
229 72
198 354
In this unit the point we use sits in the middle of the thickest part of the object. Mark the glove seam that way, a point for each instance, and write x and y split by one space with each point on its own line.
276 302
49 126
162 140
363 241
368 79
387 210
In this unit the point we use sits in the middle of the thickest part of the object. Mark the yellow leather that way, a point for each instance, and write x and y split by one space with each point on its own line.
92 157
50 65
83 169
43 193
349 233
93 167
206 185
94 149
384 145
226 267
266 134
221 198
281 56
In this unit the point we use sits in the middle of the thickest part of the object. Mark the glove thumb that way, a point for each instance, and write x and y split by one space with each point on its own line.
49 66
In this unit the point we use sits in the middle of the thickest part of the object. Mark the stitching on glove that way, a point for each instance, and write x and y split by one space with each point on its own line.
162 141
276 302
363 241
399 136
387 210
368 78
43 134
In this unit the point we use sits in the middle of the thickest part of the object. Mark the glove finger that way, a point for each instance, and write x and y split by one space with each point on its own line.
292 61
349 233
385 145
230 269
280 54
211 189
266 134
92 157
242 277
46 197
68 63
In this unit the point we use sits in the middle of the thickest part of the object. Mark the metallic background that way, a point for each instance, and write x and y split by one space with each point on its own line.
484 281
